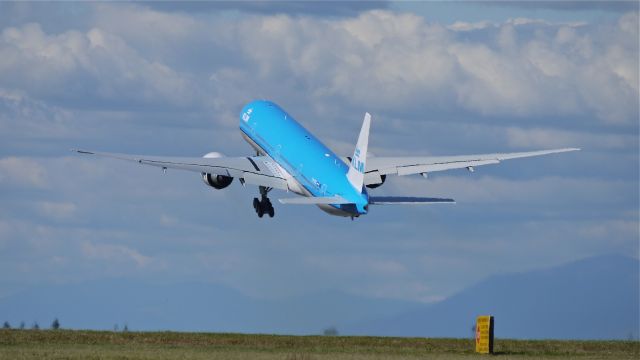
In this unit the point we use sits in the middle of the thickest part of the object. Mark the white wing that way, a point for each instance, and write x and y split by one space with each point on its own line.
407 200
379 166
336 200
254 170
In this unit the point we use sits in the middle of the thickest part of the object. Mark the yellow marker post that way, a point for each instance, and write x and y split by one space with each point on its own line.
484 334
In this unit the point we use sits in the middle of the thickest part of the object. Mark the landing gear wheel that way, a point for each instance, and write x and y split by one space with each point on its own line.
269 207
263 206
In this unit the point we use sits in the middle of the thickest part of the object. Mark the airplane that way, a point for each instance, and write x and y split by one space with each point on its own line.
290 158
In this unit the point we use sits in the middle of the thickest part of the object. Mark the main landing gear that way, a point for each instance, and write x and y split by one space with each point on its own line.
263 206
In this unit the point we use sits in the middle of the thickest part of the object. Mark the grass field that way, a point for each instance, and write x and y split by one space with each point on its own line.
71 344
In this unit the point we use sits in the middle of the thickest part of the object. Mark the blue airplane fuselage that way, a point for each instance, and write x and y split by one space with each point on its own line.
316 170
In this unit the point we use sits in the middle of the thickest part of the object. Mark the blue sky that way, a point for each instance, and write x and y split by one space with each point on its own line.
438 78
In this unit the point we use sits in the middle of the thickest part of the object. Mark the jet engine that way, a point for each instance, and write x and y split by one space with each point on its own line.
217 181
213 180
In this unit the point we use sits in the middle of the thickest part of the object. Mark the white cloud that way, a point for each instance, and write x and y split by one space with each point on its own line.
23 117
114 253
167 220
380 60
19 171
94 66
469 26
354 264
518 21
410 290
375 276
57 210
553 138
146 29
548 191
628 23
493 83
386 60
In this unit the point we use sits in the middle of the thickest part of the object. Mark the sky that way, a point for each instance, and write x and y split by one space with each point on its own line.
438 79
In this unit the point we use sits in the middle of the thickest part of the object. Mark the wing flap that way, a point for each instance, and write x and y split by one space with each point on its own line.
417 169
262 180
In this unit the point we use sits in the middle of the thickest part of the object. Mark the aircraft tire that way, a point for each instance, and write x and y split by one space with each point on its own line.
271 211
256 204
260 211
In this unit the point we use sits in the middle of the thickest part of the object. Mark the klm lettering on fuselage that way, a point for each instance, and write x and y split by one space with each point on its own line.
356 163
247 115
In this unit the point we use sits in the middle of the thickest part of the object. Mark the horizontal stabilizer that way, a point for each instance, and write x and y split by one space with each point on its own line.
407 200
335 200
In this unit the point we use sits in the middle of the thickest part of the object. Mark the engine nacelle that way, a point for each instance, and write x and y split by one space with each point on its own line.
213 180
213 155
373 186
217 181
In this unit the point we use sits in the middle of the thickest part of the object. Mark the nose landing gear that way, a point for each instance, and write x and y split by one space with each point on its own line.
263 206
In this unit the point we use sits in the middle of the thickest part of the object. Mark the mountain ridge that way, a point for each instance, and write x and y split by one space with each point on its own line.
593 298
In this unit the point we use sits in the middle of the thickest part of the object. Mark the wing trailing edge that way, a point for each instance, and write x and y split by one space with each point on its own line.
407 200
378 166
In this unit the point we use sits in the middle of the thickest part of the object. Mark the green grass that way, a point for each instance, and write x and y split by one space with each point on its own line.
71 344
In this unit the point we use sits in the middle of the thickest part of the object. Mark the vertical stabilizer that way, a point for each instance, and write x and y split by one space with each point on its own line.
359 159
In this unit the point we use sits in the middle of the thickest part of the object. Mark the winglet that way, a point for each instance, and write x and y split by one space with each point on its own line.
80 151
359 159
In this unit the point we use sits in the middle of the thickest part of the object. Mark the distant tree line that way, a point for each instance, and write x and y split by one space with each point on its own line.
55 325
330 331
125 328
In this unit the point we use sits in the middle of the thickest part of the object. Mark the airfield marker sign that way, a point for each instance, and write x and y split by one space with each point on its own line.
484 334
